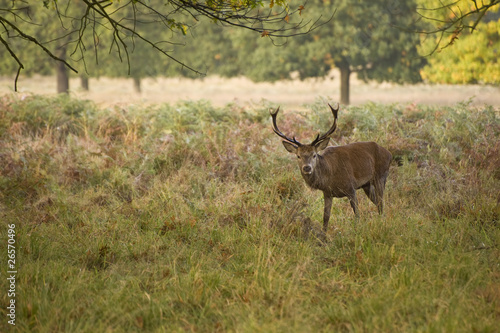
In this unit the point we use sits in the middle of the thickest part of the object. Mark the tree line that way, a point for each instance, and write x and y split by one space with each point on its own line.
396 41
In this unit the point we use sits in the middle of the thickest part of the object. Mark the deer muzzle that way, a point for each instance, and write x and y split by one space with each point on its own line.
307 169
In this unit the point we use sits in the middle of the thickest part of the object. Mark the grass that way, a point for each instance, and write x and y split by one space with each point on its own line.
189 217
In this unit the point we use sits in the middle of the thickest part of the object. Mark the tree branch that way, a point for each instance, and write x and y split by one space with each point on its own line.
13 55
117 39
33 40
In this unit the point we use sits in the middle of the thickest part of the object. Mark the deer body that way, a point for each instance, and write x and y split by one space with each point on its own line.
339 171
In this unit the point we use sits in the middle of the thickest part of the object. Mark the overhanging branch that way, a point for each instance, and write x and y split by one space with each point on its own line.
4 22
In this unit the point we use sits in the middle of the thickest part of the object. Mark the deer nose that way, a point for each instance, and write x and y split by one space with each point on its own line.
306 169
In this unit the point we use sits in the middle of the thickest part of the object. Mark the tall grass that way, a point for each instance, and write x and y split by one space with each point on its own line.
189 217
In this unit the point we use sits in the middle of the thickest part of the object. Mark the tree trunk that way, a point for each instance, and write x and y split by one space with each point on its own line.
345 73
62 78
137 84
84 81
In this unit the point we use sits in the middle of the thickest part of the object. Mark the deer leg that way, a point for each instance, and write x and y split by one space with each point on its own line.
370 193
373 192
353 200
379 193
380 200
327 211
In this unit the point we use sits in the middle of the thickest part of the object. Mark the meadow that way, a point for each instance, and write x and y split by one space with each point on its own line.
286 93
190 217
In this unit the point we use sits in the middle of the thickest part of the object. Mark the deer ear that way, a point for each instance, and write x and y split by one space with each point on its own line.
322 144
290 147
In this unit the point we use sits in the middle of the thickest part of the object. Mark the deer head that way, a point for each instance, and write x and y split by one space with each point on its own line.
307 154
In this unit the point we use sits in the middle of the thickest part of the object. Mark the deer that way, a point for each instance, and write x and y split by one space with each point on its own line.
338 171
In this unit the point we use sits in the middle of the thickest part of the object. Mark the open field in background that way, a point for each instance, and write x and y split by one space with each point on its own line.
192 217
289 94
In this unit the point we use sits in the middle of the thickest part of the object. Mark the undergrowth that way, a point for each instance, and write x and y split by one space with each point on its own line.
189 217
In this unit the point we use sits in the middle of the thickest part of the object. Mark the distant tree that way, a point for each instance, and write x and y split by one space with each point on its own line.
462 41
475 59
85 24
210 48
364 37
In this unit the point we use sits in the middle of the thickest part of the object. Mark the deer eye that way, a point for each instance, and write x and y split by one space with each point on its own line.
298 156
315 155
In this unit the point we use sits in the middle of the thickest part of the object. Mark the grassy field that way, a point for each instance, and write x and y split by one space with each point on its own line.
191 217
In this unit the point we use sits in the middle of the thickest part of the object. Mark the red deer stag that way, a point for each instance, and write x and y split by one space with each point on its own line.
340 171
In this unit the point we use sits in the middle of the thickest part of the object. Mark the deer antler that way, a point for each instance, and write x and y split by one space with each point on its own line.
331 130
278 132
